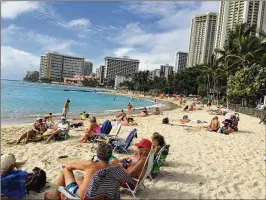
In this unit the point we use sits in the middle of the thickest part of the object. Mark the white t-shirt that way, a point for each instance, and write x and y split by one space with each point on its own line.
62 126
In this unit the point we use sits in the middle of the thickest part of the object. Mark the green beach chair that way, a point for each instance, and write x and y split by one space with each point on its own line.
159 161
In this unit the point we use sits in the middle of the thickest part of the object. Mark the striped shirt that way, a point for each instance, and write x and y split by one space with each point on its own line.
107 182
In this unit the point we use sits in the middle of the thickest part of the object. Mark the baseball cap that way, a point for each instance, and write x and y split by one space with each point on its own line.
38 119
63 118
7 160
144 143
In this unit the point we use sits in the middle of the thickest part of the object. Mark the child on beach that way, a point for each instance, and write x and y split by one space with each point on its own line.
214 125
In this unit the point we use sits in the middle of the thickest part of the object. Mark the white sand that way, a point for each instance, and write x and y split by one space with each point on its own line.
201 164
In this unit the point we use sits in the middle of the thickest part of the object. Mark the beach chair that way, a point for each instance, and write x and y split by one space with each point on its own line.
101 137
105 184
143 175
159 161
122 146
63 136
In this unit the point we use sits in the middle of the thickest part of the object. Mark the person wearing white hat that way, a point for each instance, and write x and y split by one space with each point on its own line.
62 128
13 180
38 128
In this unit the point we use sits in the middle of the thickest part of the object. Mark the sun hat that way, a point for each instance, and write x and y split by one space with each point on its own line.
144 143
63 118
7 160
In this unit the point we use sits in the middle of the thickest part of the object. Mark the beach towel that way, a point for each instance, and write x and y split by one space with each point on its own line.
13 185
159 160
106 127
107 182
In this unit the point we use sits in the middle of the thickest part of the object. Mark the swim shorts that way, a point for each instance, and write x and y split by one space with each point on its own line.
73 188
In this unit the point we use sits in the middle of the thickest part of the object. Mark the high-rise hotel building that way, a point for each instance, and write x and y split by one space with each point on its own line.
57 66
123 65
234 12
202 38
180 61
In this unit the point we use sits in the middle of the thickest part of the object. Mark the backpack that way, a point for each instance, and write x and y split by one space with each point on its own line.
166 120
36 180
106 127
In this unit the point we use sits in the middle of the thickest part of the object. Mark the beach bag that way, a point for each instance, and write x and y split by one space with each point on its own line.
106 127
36 180
166 120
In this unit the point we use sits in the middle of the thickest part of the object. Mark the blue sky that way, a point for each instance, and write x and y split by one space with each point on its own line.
149 31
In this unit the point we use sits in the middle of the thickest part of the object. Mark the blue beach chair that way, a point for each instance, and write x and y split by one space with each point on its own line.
122 146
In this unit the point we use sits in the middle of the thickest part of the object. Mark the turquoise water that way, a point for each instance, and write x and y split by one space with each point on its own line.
23 99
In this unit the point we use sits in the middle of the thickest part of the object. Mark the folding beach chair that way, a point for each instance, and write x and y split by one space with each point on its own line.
122 146
143 175
63 136
102 137
105 184
159 161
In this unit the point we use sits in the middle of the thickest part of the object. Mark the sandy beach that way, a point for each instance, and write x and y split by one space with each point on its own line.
200 165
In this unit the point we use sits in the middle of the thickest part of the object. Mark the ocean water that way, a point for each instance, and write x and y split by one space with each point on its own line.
24 99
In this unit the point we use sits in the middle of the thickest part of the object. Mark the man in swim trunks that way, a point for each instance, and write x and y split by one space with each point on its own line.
135 164
78 186
214 125
38 128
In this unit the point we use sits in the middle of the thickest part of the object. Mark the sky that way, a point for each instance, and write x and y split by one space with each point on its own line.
149 31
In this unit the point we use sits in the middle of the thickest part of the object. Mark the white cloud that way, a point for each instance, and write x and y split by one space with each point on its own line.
15 63
78 23
120 52
172 19
13 9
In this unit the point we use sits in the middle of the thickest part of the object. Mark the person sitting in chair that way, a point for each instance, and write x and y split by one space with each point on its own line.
62 128
135 164
79 186
38 129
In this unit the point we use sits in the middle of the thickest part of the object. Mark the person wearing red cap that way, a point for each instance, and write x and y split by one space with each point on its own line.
134 165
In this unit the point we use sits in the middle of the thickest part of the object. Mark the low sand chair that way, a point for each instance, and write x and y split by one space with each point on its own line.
143 175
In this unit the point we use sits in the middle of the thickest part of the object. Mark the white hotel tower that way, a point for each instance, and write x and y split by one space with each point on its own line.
234 12
202 38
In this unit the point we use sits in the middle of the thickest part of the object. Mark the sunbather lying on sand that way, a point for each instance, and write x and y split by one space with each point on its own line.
135 164
157 111
78 186
93 128
38 129
61 128
214 125
120 116
129 122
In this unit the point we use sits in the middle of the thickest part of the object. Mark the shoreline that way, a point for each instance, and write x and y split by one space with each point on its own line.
166 106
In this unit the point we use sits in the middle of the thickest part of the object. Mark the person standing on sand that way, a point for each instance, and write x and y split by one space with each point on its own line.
66 108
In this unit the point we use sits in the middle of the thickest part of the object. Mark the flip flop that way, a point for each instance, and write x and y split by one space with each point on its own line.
65 156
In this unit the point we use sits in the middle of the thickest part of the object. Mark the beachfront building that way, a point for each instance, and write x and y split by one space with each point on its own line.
154 73
56 66
202 38
123 65
120 78
32 76
166 70
100 74
87 67
180 61
77 79
234 12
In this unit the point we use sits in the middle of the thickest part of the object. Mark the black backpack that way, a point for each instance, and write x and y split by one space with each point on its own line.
36 180
166 120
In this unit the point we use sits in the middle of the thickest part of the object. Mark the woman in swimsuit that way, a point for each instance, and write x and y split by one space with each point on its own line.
157 142
38 128
93 128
